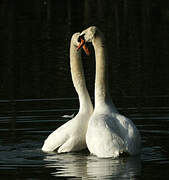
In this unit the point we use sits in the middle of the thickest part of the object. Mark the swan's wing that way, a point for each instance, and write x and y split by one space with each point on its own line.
116 139
103 137
58 137
126 126
67 146
129 133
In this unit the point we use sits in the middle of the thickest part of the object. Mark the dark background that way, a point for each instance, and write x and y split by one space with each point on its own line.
34 48
36 89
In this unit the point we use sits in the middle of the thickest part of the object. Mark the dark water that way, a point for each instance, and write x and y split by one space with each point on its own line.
21 156
36 90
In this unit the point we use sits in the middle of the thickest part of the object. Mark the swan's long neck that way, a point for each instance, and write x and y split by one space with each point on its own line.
102 95
79 80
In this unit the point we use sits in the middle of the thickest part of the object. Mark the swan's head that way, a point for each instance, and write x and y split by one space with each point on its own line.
75 39
76 42
89 34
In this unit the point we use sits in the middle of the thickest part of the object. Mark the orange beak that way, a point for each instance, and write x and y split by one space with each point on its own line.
82 44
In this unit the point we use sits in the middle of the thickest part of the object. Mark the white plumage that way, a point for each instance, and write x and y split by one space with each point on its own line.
71 135
109 133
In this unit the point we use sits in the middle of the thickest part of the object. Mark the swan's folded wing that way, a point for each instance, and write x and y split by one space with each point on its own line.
57 138
117 143
130 134
108 142
127 127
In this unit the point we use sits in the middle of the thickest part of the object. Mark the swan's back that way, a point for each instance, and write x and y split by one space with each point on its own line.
68 137
129 133
109 134
103 140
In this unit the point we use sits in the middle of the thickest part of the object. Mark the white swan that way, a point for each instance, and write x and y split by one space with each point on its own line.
71 135
109 133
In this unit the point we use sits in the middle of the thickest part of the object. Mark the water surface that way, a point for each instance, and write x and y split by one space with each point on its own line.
21 155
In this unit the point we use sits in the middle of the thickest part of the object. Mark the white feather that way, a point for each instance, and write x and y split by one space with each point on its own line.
71 135
109 133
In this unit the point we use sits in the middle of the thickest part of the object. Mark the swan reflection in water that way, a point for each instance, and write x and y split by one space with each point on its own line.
87 166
